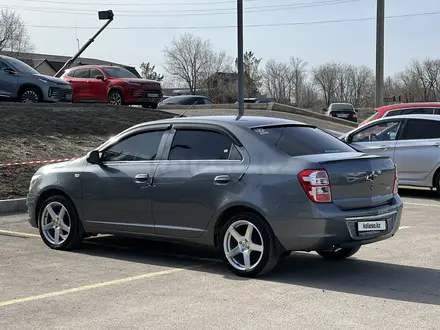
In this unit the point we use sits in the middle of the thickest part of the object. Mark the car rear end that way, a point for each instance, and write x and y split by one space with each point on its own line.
346 113
338 197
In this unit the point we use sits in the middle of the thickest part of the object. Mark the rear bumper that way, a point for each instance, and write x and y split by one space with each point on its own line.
329 227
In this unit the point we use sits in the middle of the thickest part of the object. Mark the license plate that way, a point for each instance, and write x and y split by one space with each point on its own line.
372 226
153 95
342 115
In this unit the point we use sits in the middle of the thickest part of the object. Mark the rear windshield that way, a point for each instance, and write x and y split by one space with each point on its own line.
302 140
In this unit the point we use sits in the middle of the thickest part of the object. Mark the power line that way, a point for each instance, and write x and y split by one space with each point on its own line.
217 11
208 3
234 26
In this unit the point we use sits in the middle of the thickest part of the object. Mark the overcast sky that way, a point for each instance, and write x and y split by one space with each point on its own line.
406 38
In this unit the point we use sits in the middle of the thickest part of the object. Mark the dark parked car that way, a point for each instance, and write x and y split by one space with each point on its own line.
19 81
186 100
342 111
254 187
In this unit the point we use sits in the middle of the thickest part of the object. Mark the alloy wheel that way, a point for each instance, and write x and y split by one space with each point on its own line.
55 223
243 245
115 99
29 96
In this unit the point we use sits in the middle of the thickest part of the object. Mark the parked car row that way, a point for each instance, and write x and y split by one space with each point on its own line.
91 83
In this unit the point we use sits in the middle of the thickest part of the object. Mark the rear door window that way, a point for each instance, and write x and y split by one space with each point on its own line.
417 129
418 111
393 113
192 144
302 140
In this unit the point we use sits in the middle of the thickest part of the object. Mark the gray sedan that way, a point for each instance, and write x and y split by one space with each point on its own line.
412 141
19 81
256 188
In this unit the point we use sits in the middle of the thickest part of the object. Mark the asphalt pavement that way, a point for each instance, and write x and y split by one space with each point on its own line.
119 283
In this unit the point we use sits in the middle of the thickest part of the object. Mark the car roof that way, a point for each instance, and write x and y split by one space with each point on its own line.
425 117
186 96
244 121
408 105
93 66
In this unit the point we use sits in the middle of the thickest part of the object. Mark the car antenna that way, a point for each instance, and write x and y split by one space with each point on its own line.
183 113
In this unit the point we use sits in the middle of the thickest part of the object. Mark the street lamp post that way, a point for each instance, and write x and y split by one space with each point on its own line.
102 15
240 63
380 36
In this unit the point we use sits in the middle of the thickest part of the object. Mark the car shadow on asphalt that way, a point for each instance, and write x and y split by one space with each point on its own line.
354 276
419 193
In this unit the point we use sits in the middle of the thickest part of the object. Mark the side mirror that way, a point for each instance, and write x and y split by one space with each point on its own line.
93 157
10 70
100 77
348 138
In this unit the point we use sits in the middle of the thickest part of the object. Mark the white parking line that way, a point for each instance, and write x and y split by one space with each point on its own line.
421 204
404 227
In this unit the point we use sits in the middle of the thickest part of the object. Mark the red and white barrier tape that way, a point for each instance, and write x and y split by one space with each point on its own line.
38 162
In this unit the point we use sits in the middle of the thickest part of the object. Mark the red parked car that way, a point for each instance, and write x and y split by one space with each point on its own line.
423 108
112 84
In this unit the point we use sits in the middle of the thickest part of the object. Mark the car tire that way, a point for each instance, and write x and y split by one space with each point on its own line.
340 254
154 106
58 223
30 95
115 97
437 184
246 236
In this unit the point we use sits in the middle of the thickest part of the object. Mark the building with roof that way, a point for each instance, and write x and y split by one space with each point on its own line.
51 64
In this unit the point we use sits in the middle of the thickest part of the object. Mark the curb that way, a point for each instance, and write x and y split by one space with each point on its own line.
10 206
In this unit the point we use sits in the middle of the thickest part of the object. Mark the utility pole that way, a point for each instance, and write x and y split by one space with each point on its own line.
240 58
380 36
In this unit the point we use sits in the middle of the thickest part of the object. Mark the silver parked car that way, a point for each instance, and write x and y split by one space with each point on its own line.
412 141
19 81
255 187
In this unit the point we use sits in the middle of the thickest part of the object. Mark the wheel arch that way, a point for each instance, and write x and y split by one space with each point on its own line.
229 212
29 85
115 88
47 194
434 177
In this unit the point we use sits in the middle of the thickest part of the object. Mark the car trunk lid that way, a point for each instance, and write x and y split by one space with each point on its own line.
358 180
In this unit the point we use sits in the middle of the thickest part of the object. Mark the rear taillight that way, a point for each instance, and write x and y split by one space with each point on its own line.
316 184
396 181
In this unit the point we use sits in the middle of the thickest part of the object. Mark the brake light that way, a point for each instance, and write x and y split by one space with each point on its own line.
316 184
396 181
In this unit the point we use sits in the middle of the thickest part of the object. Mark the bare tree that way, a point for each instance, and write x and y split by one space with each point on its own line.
187 58
298 76
277 81
14 37
325 77
308 95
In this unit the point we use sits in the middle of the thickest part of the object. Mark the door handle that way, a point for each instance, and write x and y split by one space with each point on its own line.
437 144
383 147
222 179
141 178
